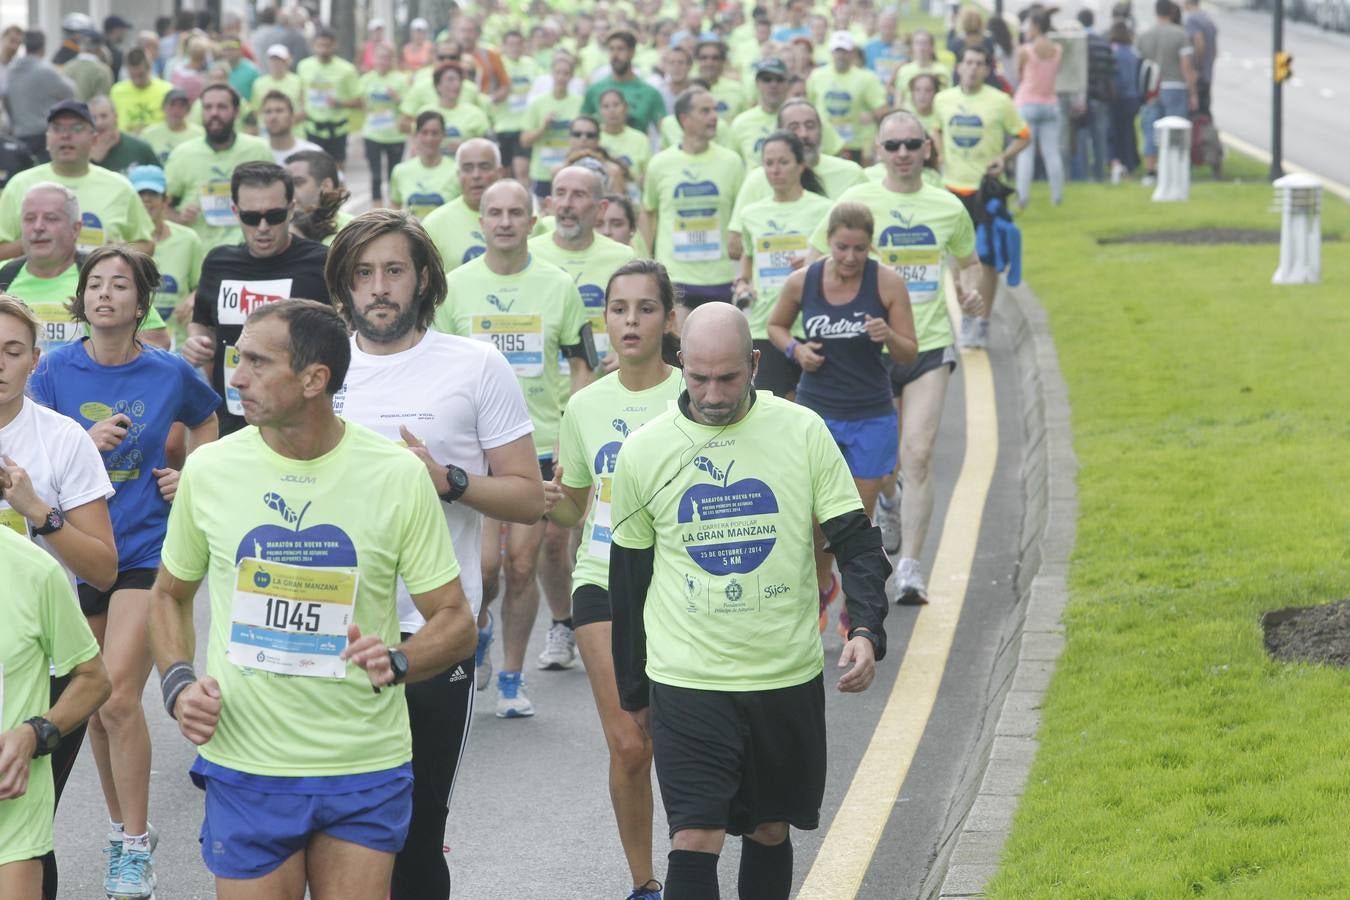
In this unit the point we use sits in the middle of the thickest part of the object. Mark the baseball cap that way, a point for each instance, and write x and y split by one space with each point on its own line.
77 22
71 107
374 24
841 40
771 65
418 24
279 51
114 22
148 178
176 94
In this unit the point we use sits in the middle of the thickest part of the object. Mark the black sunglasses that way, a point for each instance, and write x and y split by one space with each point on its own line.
585 135
252 218
910 144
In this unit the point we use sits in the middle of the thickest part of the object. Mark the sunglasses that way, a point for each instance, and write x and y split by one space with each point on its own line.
585 135
703 57
253 218
910 144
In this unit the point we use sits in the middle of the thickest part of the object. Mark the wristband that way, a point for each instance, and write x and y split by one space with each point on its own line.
864 632
173 682
790 350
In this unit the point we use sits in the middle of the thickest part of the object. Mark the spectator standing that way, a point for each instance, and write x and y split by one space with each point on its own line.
1166 45
1092 140
1204 35
1037 68
1124 102
34 86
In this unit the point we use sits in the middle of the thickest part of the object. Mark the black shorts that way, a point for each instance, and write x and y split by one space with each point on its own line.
735 760
590 604
776 372
546 468
95 602
509 142
692 296
925 362
970 202
335 145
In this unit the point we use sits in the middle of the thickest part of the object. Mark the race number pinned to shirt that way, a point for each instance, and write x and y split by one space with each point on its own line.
233 402
602 532
57 326
14 520
520 338
773 258
921 267
380 120
320 98
239 298
291 619
92 234
696 236
215 203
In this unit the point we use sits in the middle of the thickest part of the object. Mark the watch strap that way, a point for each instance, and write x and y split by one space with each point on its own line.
48 735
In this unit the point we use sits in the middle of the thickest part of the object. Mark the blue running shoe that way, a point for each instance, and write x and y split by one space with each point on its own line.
511 700
482 662
135 876
647 892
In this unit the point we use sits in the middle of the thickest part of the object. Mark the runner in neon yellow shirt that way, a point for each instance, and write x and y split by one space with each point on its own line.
175 128
429 180
687 203
848 97
463 120
178 255
304 615
139 98
454 227
508 117
836 174
639 315
332 89
771 239
381 90
751 127
546 129
199 171
711 57
279 77
621 141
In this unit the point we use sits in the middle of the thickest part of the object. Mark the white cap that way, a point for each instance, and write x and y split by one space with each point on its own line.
279 51
374 24
841 40
419 24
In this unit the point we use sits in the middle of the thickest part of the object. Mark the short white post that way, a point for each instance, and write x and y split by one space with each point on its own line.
1300 199
1173 137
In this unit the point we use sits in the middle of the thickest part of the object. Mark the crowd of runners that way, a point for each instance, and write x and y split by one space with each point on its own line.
611 254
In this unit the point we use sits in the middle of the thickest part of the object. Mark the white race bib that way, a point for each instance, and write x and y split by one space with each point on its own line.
921 267
215 202
520 338
291 619
696 238
602 533
57 327
773 258
321 99
381 121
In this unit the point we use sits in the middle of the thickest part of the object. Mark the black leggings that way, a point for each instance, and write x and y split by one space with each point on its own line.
63 760
439 711
376 154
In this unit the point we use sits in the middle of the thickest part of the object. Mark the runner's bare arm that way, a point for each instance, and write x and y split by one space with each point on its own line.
785 310
204 433
901 342
581 373
647 228
449 635
172 638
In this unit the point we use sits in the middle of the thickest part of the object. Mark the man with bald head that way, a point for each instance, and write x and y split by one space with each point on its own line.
712 584
590 258
454 227
530 310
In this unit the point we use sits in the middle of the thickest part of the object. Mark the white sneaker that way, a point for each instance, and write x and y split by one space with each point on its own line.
909 587
1148 181
1117 171
888 520
560 648
511 700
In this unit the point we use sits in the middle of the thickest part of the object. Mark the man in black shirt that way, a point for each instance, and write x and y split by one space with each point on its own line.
270 265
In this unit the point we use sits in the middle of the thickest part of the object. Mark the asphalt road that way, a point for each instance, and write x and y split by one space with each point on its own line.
531 813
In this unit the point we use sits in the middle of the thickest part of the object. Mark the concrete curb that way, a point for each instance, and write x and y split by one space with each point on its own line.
982 809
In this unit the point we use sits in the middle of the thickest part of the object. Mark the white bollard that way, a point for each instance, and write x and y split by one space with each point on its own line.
1173 137
1300 199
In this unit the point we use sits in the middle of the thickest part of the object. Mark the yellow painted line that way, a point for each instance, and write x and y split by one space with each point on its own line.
851 841
1241 146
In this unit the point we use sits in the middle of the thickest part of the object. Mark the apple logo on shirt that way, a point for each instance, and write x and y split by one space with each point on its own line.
966 130
726 531
294 544
608 455
693 186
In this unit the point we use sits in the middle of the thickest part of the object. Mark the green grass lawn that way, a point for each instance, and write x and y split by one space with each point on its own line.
1211 422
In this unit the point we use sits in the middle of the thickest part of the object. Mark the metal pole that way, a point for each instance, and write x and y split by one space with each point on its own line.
1276 99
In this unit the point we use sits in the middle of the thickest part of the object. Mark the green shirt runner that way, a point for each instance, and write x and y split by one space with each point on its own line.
773 233
422 190
110 209
693 197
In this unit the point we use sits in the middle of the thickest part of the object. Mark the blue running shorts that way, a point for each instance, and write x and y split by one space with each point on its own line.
870 446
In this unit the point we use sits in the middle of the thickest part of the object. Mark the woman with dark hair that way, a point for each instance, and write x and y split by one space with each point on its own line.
640 320
127 395
770 237
621 141
463 118
1125 102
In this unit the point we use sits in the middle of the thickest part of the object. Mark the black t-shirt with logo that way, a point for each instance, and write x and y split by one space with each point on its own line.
234 283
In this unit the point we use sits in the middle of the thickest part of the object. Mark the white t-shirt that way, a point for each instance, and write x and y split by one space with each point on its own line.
460 398
300 144
61 460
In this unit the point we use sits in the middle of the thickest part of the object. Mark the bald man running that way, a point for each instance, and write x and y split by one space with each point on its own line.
713 587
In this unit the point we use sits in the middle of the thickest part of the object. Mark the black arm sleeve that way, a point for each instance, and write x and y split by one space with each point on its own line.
864 568
630 574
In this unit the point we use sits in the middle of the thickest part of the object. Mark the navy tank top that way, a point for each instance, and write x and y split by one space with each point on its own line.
853 383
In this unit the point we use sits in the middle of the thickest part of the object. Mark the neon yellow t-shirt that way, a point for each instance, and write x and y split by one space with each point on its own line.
423 94
382 94
734 572
550 148
199 174
774 234
179 260
748 132
509 115
836 175
462 122
590 270
693 197
43 624
325 85
911 70
290 562
422 190
630 147
913 234
528 316
730 96
289 84
975 128
456 232
138 107
163 139
599 418
110 208
842 97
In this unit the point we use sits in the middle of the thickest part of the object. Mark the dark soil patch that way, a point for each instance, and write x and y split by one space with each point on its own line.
1317 634
1197 236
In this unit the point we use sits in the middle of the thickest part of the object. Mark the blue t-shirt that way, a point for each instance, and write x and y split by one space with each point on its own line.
154 390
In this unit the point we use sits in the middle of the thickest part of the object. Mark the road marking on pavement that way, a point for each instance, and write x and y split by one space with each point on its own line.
871 800
1238 144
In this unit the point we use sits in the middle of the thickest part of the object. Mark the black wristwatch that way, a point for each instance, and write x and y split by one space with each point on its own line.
398 661
865 632
48 736
55 522
459 483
